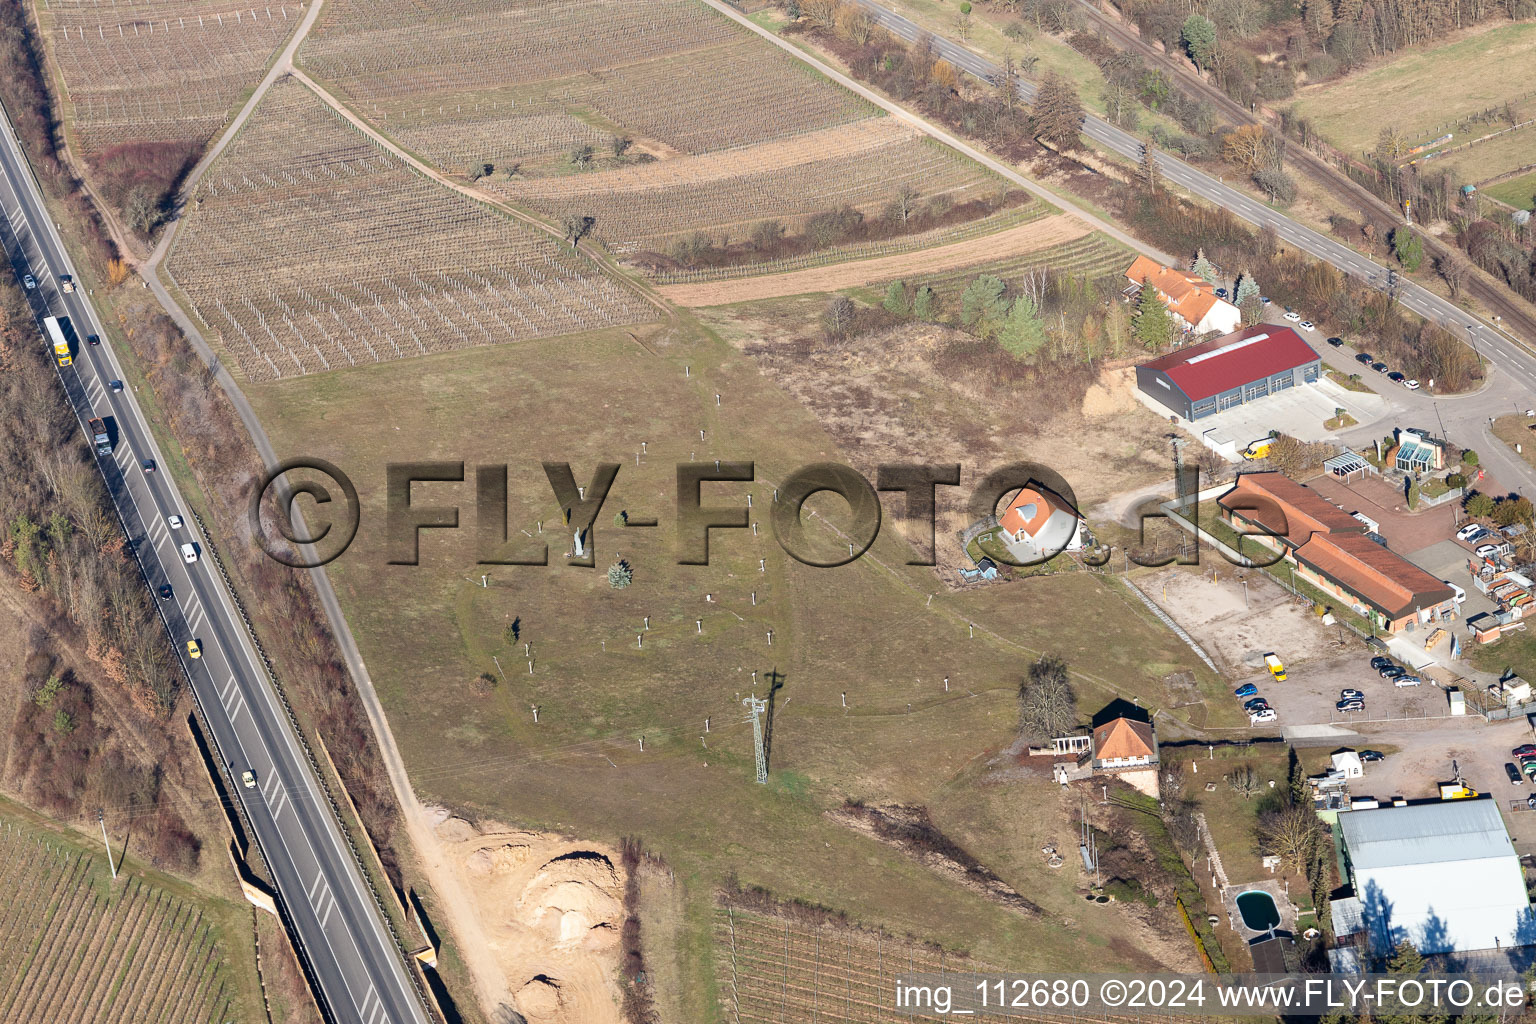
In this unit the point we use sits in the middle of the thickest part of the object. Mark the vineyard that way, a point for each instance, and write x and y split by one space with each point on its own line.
657 120
78 947
308 248
774 970
159 70
1093 255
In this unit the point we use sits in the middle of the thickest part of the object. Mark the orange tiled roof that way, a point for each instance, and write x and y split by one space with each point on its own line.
1122 737
1294 510
1188 295
1381 578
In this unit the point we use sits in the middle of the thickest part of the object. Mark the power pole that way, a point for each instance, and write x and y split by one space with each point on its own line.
755 708
100 818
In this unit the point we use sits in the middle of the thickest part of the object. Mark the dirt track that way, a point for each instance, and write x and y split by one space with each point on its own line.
1030 237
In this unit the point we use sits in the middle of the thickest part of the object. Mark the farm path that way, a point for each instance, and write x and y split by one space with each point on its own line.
934 131
1024 238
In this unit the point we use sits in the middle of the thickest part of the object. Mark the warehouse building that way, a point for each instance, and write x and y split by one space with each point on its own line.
1229 371
1441 875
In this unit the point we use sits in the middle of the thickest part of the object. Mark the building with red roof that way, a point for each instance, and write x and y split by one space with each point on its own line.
1228 371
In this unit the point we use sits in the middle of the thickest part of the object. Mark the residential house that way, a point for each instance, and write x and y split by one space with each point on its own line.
1039 524
1189 297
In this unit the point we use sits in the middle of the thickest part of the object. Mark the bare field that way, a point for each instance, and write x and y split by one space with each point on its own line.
80 947
308 248
1012 243
160 70
719 131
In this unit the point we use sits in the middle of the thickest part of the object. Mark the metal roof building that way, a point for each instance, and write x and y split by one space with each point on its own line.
1442 875
1231 370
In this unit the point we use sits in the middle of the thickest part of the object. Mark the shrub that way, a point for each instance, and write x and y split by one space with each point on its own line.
620 575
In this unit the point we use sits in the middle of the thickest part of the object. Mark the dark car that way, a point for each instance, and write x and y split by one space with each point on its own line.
115 385
148 465
1513 773
1525 750
1256 703
1246 690
1395 377
1391 671
165 591
1379 662
1366 358
93 340
1369 756
1379 367
1351 694
1351 705
1221 293
1336 342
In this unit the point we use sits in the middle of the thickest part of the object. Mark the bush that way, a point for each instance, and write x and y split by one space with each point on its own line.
484 684
620 575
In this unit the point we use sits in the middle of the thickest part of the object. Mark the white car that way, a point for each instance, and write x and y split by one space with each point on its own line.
189 553
1487 551
1262 717
1307 325
174 522
1411 385
29 281
1293 317
1469 531
1407 681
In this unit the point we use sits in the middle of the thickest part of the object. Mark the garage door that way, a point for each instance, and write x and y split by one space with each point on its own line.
1281 383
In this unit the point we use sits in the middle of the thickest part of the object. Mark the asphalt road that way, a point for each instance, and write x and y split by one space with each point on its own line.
350 954
1490 344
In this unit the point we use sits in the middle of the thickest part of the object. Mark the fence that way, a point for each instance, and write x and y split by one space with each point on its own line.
1470 119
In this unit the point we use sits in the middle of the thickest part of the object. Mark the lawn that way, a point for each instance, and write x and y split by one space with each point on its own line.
1517 192
1489 159
1420 91
1514 651
625 680
1518 430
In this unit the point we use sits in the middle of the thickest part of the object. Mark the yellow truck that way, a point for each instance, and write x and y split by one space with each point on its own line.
56 337
1259 449
1275 668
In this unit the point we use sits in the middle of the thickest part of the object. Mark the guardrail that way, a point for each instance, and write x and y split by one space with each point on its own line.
314 764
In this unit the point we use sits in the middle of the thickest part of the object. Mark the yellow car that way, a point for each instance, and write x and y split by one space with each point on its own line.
193 650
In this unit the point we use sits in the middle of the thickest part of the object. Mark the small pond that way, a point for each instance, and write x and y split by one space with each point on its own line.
1258 910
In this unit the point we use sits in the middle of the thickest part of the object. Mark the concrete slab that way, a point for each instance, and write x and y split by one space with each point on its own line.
1298 411
1447 560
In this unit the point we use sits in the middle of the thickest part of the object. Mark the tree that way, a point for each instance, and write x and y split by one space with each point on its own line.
1247 288
896 298
620 144
479 169
1047 703
1007 81
766 234
581 156
1469 458
982 304
1512 511
1057 115
1479 505
906 201
837 318
1299 790
1276 184
1199 38
1243 780
1248 148
1390 143
1407 248
1292 833
140 211
1151 322
925 304
1022 333
620 575
1413 495
1203 268
1149 174
1453 269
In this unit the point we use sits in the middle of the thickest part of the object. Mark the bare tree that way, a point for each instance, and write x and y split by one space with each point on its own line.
1292 833
1243 780
1453 269
837 318
1047 703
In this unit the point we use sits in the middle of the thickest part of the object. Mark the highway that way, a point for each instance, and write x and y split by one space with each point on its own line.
1491 345
351 957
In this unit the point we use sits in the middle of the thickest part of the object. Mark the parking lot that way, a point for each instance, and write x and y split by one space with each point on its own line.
1298 411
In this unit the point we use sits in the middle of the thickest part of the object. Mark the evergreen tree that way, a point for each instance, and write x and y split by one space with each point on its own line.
1296 778
1023 332
1247 288
925 304
1152 325
982 304
1057 115
1199 37
1203 268
1148 173
896 298
1407 247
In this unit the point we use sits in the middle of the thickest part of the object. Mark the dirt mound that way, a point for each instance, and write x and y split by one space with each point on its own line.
1112 394
551 910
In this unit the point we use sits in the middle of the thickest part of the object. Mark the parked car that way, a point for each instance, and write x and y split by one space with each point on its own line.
1487 550
1371 756
1529 769
1246 690
1380 662
1351 705
1351 694
1307 325
1411 385
1379 367
1336 342
1292 316
1256 703
1396 377
1221 293
1469 531
1262 717
1530 802
1524 750
29 281
1365 358
1513 773
1407 681
1391 671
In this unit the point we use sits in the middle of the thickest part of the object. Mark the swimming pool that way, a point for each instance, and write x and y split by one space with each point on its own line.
1258 910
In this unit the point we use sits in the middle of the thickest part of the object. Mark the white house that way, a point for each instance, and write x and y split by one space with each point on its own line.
1039 524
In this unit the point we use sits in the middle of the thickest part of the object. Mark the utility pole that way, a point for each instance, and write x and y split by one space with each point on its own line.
756 706
104 841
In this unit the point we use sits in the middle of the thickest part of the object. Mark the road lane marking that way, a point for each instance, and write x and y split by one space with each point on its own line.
224 691
234 712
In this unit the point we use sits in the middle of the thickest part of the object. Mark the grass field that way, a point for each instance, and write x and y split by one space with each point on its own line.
308 248
1417 92
723 131
77 946
1519 192
162 70
870 631
1489 159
